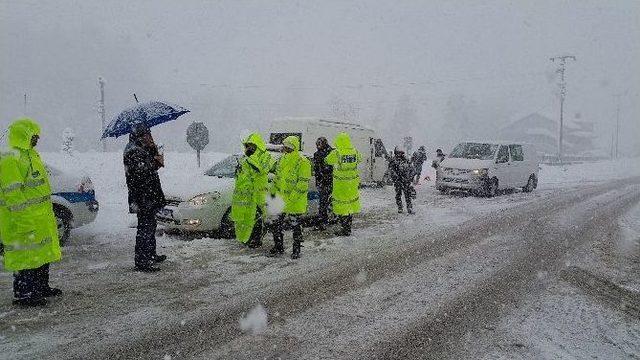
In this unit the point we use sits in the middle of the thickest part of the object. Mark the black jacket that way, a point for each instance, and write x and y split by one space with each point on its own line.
418 158
322 172
143 182
401 170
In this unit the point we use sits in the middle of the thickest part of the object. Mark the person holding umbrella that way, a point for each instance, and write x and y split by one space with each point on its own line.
141 163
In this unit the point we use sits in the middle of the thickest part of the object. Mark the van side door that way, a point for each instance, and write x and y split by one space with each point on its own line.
518 166
502 167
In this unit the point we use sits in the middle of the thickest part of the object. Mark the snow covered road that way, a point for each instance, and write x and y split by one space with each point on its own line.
453 281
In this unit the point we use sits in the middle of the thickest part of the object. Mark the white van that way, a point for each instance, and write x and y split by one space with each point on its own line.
309 129
484 168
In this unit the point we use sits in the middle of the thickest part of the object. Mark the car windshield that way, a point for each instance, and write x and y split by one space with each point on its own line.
224 168
474 151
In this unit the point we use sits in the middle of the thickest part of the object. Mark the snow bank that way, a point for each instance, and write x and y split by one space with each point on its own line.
555 176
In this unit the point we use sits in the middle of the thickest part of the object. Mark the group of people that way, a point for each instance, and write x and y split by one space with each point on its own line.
405 173
28 228
337 179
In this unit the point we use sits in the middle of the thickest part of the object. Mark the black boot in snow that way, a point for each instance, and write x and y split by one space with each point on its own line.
276 251
400 211
295 254
30 301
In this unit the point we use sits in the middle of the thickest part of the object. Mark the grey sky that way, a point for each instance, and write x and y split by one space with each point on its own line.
238 64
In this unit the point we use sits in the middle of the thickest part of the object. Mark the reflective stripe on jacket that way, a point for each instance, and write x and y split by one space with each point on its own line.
250 189
27 224
346 178
293 173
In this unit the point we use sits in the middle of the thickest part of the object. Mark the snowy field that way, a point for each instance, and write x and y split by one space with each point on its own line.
105 298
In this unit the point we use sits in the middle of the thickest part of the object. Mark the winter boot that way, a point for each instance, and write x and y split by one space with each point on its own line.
159 258
30 301
400 211
295 254
276 250
49 292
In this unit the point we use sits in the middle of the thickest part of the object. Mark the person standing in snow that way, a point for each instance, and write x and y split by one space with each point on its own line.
324 180
418 158
401 172
28 228
141 164
248 206
345 195
439 158
293 173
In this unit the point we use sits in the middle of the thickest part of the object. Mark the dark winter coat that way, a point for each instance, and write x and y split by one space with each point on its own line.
401 170
322 172
141 173
418 158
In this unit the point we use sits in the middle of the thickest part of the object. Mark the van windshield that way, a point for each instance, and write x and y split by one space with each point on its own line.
225 168
474 151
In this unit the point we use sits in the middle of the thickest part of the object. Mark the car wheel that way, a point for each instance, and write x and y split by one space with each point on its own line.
227 230
63 223
532 183
491 188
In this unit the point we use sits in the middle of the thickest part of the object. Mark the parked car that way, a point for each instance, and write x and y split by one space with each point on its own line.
74 201
204 204
486 168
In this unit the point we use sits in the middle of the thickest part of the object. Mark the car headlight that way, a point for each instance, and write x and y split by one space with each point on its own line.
480 172
202 199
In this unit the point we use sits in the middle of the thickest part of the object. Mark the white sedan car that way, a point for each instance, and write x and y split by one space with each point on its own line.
204 205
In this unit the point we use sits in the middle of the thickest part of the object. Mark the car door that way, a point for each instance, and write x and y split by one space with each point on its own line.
502 167
518 166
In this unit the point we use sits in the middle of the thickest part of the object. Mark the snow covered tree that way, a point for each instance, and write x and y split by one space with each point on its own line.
67 141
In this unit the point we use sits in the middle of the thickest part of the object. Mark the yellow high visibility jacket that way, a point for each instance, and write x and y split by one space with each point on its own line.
27 224
293 172
250 189
346 178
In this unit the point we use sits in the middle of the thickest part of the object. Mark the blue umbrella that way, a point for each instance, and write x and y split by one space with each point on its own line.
150 114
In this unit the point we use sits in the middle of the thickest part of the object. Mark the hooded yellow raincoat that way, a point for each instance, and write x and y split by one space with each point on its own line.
250 190
345 198
293 172
27 224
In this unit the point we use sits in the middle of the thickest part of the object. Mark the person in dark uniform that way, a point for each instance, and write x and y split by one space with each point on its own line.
141 163
402 171
418 158
324 181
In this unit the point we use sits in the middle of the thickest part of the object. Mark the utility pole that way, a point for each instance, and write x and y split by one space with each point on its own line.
617 133
563 92
25 104
101 111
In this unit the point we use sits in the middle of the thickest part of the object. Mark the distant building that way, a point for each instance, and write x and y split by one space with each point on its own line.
541 131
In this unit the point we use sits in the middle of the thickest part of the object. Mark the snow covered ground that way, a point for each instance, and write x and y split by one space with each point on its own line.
105 298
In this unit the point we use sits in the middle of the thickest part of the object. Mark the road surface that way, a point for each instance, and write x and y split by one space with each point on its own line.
451 290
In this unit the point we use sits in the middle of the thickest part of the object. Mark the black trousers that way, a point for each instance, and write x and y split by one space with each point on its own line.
282 222
145 249
416 177
345 223
323 204
31 283
403 188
